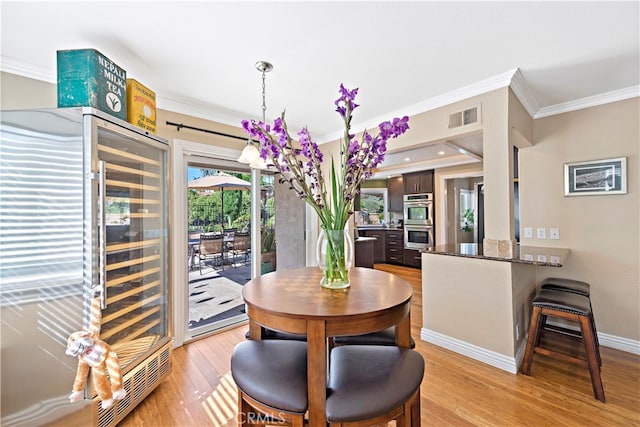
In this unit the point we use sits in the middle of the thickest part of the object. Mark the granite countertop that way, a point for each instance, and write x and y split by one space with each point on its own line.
534 255
378 227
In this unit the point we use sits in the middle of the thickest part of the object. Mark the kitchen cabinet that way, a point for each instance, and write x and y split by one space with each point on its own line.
395 192
412 258
364 252
379 253
418 182
394 246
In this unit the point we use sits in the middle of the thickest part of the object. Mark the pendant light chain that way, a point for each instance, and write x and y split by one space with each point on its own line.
264 98
264 67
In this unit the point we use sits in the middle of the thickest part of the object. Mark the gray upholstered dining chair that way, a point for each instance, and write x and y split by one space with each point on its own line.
271 377
371 385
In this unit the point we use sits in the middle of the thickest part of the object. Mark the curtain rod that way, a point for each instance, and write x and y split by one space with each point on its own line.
180 126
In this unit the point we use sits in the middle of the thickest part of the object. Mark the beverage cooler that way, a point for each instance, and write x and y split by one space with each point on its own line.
83 224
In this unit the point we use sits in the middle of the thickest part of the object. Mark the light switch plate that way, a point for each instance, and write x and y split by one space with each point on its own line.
542 233
554 233
528 233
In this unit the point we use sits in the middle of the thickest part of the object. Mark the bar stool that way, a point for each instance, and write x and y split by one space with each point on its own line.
271 376
370 385
568 306
576 287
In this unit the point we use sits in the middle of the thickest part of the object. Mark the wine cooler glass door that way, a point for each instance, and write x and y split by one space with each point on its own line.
133 247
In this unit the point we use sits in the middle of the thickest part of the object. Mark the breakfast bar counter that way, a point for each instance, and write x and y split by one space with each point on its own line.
479 305
532 255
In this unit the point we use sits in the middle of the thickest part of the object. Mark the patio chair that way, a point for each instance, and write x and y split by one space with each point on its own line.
242 246
211 247
194 246
229 239
229 233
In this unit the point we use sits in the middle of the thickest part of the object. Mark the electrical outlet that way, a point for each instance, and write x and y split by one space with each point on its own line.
554 233
528 233
541 233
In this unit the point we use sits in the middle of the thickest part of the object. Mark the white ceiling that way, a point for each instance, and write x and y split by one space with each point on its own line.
406 57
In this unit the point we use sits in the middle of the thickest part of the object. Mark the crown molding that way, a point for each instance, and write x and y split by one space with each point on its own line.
513 78
466 92
24 69
49 75
460 94
524 94
529 102
589 101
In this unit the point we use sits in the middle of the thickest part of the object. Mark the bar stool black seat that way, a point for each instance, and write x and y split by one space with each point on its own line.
271 376
568 306
567 285
370 385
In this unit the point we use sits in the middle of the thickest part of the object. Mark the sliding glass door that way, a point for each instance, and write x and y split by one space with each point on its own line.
218 251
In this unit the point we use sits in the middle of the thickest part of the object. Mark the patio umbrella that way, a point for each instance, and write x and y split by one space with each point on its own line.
219 182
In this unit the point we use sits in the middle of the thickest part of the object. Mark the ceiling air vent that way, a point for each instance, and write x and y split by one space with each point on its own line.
464 117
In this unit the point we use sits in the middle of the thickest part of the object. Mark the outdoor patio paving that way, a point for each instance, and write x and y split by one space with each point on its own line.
215 294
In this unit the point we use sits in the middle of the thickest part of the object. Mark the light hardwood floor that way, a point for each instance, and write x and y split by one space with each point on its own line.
456 390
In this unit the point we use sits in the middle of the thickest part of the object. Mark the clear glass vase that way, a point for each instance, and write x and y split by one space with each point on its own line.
335 256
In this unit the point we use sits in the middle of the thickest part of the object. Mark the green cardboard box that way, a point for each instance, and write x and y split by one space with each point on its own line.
87 78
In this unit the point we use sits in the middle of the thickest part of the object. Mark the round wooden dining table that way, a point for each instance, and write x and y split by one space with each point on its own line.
293 301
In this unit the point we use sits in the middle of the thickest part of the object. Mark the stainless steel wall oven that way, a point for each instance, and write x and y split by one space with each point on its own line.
418 221
418 209
418 237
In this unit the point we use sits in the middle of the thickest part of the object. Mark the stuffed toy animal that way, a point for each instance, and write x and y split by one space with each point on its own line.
97 356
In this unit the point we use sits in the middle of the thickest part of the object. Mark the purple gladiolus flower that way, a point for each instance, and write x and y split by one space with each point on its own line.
346 94
300 164
345 103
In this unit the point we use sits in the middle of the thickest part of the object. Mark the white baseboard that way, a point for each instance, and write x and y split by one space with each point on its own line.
619 343
520 352
606 340
481 354
511 364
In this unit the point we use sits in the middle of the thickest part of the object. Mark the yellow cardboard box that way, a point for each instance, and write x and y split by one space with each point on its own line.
141 106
